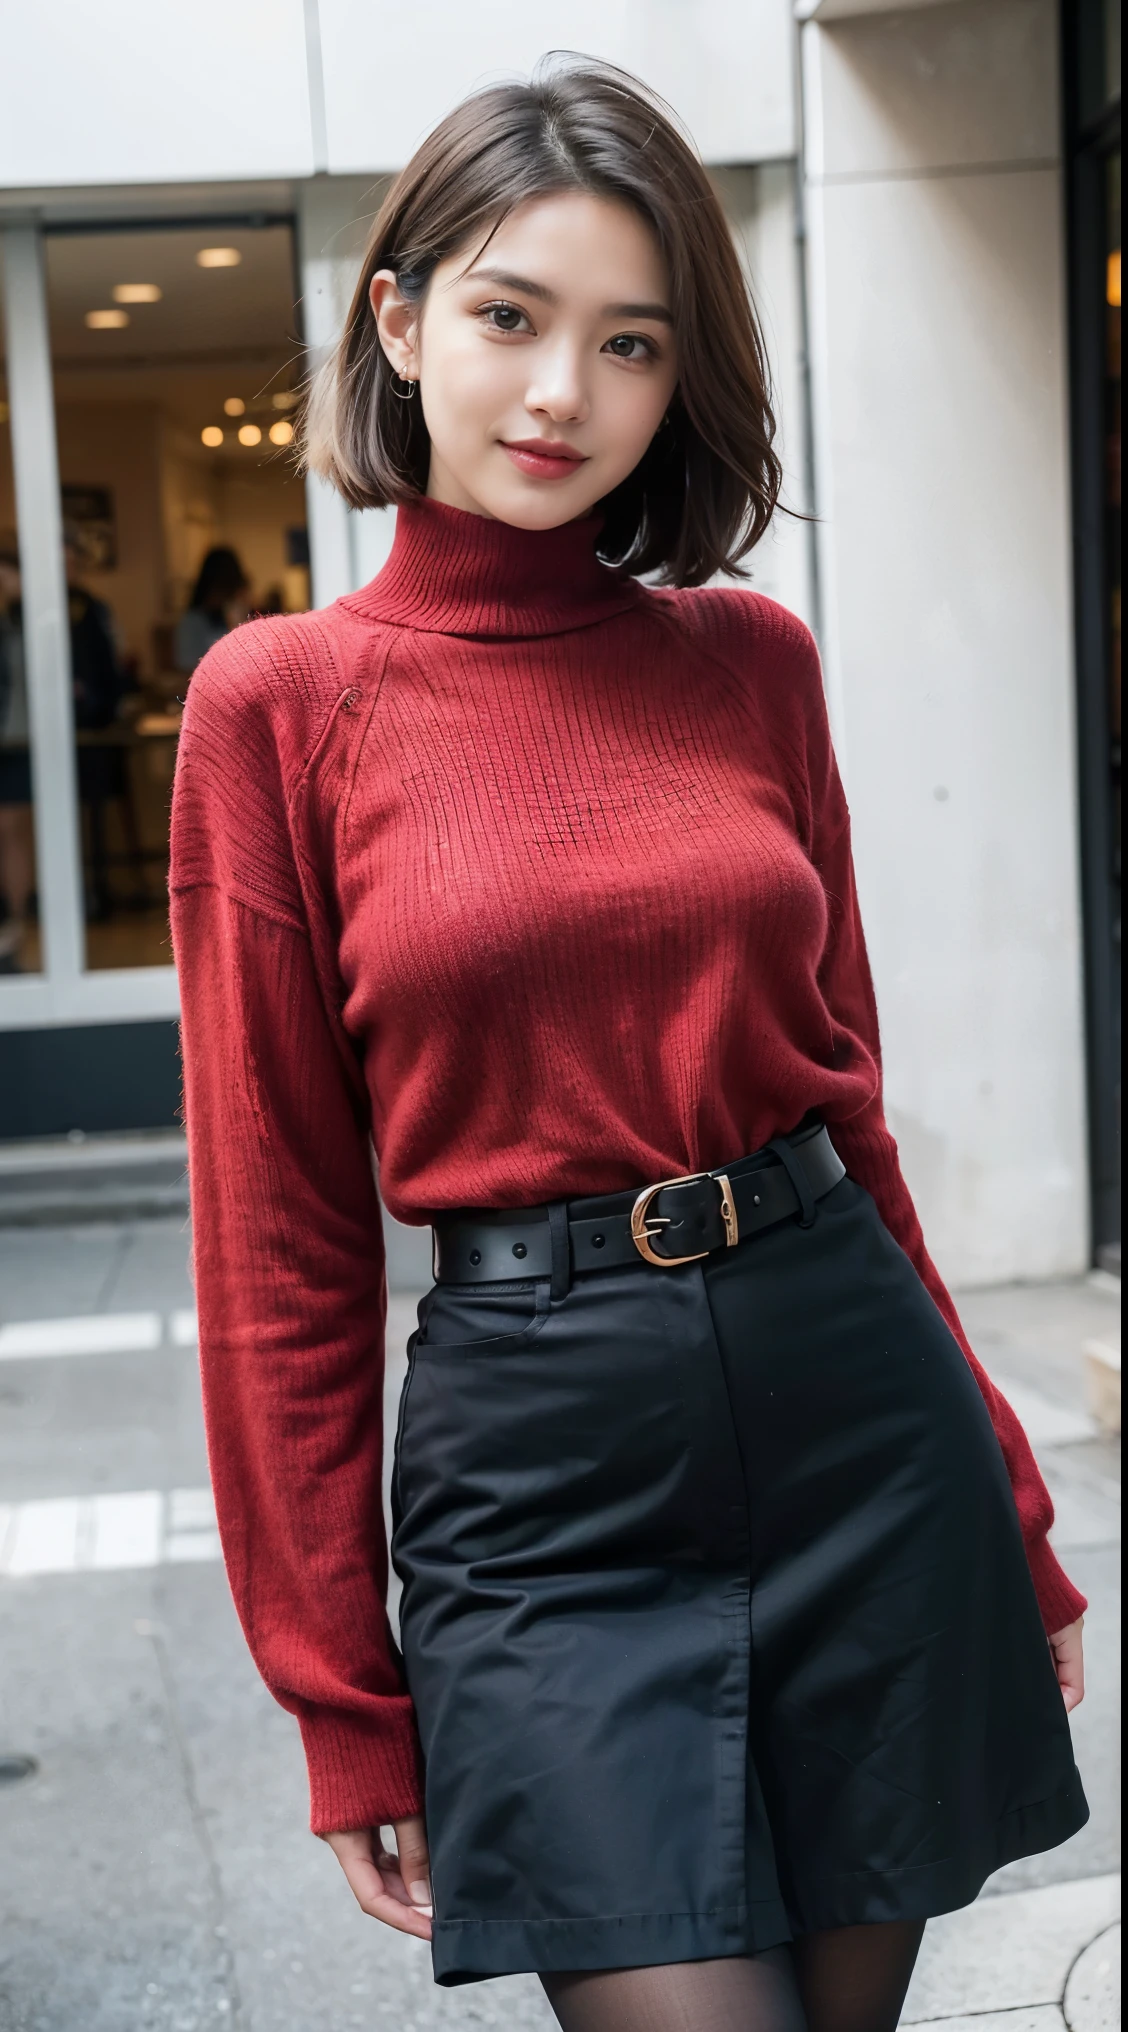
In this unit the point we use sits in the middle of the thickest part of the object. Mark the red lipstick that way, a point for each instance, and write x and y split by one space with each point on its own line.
544 458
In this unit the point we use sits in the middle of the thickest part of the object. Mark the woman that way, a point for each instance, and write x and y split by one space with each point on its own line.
218 603
721 1653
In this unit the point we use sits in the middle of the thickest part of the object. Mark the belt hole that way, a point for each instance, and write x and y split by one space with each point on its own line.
519 1249
597 1241
475 1257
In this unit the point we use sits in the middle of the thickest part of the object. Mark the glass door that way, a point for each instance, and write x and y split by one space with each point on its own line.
175 364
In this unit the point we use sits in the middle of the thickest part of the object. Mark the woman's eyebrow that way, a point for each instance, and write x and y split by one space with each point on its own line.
657 311
505 279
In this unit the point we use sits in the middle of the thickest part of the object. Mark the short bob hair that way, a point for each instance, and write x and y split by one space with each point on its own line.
706 488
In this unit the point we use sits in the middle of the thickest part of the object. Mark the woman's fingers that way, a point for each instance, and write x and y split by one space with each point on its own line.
1069 1660
414 1861
376 1884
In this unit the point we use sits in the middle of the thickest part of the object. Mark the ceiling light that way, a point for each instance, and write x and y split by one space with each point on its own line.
212 436
250 434
106 320
281 433
284 400
136 292
218 257
234 406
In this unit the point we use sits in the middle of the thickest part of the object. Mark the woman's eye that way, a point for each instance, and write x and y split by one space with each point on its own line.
503 317
624 345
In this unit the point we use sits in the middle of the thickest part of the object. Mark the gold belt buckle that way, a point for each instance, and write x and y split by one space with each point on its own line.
642 1228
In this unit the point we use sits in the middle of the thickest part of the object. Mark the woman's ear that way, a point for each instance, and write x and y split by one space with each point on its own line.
395 320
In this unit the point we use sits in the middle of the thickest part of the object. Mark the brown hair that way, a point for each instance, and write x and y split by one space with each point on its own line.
705 489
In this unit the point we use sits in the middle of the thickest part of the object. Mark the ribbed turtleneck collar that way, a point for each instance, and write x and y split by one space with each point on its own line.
451 573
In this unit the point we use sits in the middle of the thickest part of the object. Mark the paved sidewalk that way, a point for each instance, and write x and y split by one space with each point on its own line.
155 1871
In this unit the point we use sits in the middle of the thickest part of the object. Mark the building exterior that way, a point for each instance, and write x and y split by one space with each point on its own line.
927 200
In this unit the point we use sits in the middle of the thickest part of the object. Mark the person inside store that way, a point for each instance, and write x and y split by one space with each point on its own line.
17 849
219 602
100 682
733 1646
98 678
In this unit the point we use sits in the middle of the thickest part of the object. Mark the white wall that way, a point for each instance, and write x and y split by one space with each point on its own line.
936 288
391 72
123 92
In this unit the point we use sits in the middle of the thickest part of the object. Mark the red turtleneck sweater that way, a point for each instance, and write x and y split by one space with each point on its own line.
541 880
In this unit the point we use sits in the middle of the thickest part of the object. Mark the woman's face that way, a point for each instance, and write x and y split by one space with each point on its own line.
559 336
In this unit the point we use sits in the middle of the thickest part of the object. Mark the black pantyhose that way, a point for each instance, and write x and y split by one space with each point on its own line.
852 1979
741 1995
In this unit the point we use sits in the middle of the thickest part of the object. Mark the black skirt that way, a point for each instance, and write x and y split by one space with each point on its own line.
716 1613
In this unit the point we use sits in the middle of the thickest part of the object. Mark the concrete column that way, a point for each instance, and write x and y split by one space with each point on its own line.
334 217
936 291
763 206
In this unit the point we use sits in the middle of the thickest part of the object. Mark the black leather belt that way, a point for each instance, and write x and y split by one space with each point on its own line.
676 1221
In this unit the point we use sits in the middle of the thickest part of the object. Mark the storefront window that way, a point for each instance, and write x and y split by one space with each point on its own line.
20 944
176 363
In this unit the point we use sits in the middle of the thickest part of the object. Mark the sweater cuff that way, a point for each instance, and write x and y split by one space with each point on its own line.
362 1772
1060 1602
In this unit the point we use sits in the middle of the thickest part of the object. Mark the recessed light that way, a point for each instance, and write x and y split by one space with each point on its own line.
218 257
211 435
281 433
234 406
283 400
250 434
136 292
106 320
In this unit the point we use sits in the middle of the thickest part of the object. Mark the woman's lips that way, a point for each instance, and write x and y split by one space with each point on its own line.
545 465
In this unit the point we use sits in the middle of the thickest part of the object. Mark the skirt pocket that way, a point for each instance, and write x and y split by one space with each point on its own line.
486 1318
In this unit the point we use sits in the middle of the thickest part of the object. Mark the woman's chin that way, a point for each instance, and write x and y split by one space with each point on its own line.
507 495
543 505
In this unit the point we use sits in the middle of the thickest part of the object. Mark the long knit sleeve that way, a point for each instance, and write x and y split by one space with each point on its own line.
869 1151
288 1266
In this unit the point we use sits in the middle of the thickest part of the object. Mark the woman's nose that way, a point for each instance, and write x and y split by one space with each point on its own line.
558 389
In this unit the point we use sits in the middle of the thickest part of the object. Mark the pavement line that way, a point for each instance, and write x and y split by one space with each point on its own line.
1009 1953
97 1333
124 1531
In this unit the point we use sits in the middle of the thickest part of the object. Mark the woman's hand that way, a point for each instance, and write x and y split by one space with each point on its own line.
396 1889
1069 1660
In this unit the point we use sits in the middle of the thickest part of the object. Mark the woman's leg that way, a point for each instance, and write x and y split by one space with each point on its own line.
744 1994
849 1979
854 1978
